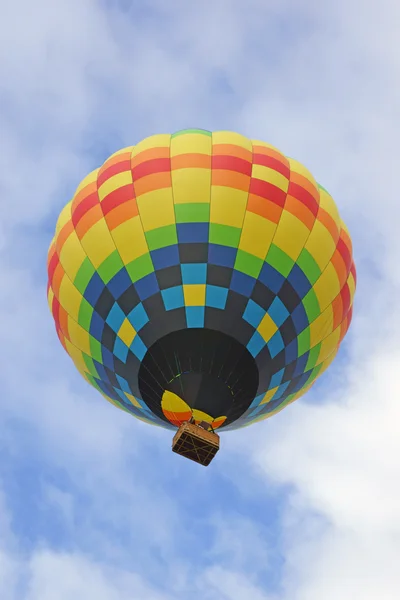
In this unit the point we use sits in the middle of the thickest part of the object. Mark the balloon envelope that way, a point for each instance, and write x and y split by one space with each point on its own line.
201 275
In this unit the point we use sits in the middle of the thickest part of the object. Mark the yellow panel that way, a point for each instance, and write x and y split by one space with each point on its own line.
268 396
265 145
200 416
64 217
173 403
270 175
327 287
98 243
153 141
50 298
130 240
328 362
78 336
87 181
297 167
76 356
230 137
133 400
69 297
114 183
194 294
352 285
228 206
291 235
257 235
122 151
127 333
72 255
327 203
191 185
156 209
267 328
320 245
329 345
321 327
186 143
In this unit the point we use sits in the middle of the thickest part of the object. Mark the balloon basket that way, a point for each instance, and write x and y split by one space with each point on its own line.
196 443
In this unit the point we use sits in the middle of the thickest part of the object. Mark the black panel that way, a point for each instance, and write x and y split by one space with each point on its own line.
210 370
128 300
193 253
105 303
220 276
169 277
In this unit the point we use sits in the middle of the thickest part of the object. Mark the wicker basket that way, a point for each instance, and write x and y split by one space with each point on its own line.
196 443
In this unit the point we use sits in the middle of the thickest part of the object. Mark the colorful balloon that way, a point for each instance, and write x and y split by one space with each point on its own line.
201 275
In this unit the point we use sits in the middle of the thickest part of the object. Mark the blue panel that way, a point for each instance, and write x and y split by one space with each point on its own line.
280 391
242 284
173 297
223 256
301 364
138 348
108 358
195 316
291 352
119 283
216 296
165 257
96 326
101 371
147 286
120 350
194 273
299 281
138 317
278 312
256 344
256 401
124 384
275 344
115 318
300 319
192 232
271 278
253 313
276 379
94 289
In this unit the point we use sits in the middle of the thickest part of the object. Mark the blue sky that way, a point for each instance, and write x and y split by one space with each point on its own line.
93 504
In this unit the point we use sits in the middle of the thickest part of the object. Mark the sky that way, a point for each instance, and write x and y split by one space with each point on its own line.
93 504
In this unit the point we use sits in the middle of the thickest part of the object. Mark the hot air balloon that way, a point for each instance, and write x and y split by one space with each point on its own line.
201 281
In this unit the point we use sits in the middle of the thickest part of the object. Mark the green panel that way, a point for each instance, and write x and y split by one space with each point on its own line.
95 350
311 306
303 342
314 374
309 267
313 357
85 314
90 365
140 267
248 263
198 212
84 275
110 266
224 235
161 237
279 260
184 131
